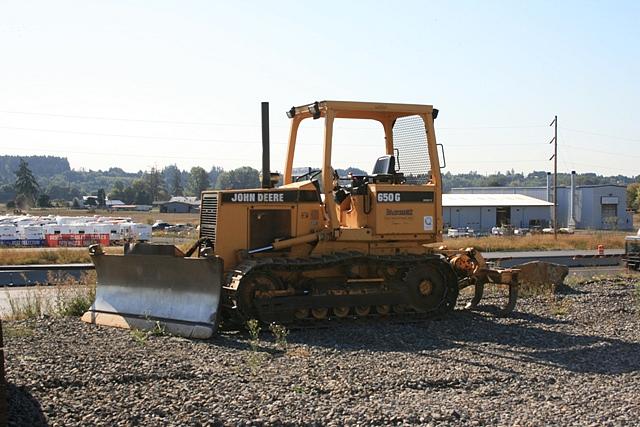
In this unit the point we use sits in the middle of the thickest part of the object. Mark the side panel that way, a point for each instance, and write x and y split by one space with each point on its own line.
404 209
249 218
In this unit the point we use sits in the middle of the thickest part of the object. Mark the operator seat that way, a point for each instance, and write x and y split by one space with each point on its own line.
384 171
385 165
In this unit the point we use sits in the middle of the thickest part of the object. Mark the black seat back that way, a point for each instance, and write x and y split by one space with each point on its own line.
385 165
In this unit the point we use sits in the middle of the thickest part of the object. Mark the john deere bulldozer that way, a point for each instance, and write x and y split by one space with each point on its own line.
316 248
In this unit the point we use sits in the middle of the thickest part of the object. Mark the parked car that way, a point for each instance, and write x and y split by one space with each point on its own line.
178 228
459 232
160 225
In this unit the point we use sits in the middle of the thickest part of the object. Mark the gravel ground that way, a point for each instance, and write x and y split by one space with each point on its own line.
572 360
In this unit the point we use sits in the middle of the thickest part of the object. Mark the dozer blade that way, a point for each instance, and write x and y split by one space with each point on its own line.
156 287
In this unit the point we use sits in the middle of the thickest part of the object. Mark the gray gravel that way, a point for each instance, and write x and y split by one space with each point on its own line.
572 361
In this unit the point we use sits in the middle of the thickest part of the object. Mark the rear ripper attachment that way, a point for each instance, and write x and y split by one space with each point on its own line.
472 270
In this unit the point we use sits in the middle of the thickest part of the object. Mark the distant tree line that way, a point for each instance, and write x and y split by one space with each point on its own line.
35 182
532 179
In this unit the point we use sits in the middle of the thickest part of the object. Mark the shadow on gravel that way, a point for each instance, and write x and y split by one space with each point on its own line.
571 351
564 289
530 340
24 409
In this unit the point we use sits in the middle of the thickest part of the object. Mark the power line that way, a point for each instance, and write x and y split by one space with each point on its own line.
124 119
601 134
168 138
197 123
117 135
603 152
491 127
616 169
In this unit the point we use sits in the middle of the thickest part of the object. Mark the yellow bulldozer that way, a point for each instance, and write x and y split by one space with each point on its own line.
316 248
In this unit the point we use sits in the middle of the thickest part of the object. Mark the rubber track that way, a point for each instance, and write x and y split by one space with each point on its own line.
338 259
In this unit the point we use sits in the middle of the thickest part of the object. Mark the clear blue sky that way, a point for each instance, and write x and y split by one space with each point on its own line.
498 72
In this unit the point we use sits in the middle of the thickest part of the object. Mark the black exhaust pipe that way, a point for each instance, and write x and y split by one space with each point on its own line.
266 173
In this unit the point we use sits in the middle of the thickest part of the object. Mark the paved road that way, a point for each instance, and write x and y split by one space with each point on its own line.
571 253
611 257
44 296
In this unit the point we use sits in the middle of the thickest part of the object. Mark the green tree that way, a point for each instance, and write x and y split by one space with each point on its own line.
198 181
139 193
633 196
214 173
44 201
243 177
176 183
117 191
26 184
155 183
102 198
7 193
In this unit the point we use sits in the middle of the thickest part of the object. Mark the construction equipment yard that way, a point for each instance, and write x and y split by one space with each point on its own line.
564 359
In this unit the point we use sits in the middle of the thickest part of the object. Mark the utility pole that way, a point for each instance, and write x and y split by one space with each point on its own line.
554 123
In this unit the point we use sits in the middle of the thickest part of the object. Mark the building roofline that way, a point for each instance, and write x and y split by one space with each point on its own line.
539 187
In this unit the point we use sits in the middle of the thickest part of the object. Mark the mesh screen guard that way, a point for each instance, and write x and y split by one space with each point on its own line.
410 141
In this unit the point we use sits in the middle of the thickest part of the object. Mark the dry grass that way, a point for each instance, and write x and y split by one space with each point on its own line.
43 256
73 297
17 331
68 297
141 217
542 242
49 255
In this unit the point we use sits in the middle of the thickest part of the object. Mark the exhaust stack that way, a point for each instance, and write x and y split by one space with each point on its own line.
266 174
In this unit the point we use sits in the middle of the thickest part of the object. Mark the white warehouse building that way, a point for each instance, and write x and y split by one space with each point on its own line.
598 207
482 212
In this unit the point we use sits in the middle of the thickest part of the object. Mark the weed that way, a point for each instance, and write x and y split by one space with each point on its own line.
139 336
73 297
16 331
158 329
298 389
142 335
574 280
68 297
32 304
280 334
253 326
560 307
255 360
526 290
